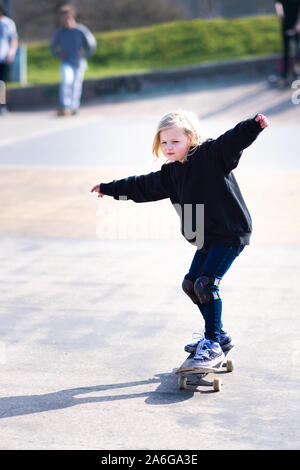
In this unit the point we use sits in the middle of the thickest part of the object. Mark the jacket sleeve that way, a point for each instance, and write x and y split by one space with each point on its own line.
89 40
143 188
228 148
54 45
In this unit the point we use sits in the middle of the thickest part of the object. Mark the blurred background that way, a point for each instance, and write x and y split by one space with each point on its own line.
37 19
142 35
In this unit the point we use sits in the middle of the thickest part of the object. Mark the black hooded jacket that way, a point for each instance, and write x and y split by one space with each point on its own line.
204 180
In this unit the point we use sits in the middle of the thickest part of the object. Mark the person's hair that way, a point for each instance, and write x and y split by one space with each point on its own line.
67 8
2 9
185 120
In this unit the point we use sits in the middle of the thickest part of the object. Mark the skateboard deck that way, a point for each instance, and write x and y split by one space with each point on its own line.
194 377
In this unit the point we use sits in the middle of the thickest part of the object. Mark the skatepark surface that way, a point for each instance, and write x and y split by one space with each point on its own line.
93 318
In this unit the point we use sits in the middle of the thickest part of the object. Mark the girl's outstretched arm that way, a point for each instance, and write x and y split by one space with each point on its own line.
228 148
143 188
263 121
97 189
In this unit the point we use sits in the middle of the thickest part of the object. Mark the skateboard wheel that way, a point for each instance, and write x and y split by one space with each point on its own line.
181 382
230 365
217 385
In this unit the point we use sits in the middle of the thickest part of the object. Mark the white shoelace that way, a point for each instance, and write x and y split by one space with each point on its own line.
204 345
203 349
198 334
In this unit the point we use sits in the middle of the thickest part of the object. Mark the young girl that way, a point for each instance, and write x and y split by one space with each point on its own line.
198 173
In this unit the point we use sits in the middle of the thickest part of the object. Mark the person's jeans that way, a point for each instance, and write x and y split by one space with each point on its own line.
3 78
215 263
3 71
71 85
289 42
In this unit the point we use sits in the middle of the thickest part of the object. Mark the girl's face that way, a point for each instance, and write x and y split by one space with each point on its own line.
174 144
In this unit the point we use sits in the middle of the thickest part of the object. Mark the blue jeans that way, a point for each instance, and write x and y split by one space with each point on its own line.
215 263
71 85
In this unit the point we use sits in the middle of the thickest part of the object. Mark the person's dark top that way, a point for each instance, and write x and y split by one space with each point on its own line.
291 11
205 177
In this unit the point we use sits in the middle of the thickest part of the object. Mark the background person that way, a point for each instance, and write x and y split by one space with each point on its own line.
71 44
8 47
288 12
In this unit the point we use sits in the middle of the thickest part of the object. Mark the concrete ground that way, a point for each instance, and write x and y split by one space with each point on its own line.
93 319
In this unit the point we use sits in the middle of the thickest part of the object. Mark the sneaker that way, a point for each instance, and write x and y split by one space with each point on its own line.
63 112
191 348
208 357
225 342
280 82
296 71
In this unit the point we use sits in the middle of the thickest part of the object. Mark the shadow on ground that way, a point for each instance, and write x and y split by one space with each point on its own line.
167 392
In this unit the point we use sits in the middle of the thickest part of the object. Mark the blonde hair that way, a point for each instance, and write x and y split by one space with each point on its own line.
185 120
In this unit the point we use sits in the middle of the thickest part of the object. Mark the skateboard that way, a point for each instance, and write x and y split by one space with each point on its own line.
187 378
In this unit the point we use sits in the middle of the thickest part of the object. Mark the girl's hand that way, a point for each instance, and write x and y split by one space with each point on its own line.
263 121
97 189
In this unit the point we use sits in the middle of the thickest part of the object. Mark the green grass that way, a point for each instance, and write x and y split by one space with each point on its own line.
175 44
